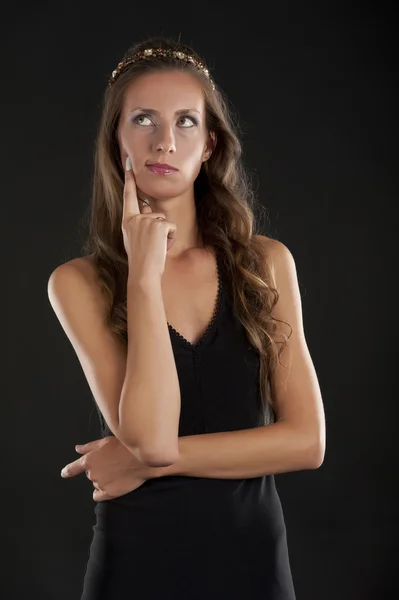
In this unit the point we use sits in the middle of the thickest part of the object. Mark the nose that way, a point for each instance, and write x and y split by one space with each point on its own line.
165 140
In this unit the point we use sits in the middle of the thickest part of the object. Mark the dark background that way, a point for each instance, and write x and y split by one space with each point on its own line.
315 88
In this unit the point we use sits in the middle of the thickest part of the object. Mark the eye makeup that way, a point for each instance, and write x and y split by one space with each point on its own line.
148 116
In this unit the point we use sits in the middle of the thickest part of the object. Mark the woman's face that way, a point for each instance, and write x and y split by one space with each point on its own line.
163 121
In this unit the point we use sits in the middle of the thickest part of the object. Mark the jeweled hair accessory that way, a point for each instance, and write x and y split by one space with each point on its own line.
162 52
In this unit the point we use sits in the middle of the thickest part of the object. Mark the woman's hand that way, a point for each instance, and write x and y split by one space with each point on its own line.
113 470
147 235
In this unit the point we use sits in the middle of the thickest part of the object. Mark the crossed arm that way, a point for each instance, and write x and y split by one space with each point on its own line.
296 440
276 448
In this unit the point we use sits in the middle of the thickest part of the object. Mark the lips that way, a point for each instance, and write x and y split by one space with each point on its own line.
161 168
161 165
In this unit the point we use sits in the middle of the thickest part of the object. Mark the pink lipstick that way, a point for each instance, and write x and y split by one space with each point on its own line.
161 168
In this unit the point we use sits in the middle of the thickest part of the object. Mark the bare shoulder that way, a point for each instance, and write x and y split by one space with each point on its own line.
280 260
76 281
83 264
81 268
274 248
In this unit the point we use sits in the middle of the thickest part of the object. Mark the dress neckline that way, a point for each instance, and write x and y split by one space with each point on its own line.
213 320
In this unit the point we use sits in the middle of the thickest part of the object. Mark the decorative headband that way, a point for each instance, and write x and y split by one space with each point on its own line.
150 52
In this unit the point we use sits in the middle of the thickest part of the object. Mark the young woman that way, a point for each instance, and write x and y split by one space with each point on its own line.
188 327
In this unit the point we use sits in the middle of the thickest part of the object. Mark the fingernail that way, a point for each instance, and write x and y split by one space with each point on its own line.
128 164
64 473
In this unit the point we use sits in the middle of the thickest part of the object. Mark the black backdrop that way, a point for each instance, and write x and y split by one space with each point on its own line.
315 87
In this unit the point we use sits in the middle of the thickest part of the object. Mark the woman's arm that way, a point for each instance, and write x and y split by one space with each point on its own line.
276 448
243 454
297 439
137 391
149 408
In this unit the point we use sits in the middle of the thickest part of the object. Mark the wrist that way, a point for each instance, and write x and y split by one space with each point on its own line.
144 285
173 469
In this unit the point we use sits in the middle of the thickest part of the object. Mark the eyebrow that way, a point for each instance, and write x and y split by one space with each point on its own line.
152 111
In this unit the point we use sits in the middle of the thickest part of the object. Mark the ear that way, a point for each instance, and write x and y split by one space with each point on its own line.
212 136
210 146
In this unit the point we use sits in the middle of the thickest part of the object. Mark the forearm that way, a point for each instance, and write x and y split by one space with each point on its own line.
149 408
276 448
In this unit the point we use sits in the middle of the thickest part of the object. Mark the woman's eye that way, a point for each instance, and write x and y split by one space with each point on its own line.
191 120
183 121
143 117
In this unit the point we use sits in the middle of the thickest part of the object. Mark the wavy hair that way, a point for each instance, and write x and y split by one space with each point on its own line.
225 205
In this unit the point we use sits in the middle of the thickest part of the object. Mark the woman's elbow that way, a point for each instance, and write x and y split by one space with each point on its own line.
158 459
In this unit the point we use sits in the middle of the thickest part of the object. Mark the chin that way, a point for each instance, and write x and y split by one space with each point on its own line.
162 190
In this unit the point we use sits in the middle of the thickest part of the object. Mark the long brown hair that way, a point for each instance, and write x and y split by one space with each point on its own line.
225 205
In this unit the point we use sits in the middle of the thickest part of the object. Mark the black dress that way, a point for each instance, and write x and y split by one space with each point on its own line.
193 538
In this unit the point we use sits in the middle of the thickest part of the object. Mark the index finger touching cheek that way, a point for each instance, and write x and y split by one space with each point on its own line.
130 202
